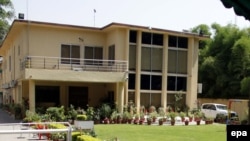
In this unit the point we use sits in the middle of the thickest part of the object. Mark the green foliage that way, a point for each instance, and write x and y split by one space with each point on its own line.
7 13
31 116
87 138
71 112
56 126
75 135
56 113
105 111
81 117
225 62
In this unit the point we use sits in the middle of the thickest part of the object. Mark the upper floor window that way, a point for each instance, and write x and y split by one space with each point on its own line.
93 55
70 54
132 36
111 54
152 38
179 42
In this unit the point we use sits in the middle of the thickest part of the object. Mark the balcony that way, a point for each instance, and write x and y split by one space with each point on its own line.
57 63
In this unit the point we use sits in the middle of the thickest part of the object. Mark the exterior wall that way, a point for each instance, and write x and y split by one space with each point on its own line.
46 40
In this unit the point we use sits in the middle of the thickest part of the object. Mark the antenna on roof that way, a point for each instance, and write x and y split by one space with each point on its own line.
94 17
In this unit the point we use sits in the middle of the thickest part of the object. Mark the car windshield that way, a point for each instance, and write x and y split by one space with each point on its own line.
222 107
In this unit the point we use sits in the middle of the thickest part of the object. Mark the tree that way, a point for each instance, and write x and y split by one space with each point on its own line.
224 62
6 14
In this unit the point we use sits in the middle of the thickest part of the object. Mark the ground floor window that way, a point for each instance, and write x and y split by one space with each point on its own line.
47 96
148 99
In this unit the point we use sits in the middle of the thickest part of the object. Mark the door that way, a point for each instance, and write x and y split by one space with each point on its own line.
78 96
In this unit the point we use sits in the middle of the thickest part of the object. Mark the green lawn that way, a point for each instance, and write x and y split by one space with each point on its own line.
126 132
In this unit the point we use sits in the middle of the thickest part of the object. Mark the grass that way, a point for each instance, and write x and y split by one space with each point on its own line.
127 132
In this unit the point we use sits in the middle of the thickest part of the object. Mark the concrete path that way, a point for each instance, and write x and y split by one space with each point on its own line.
8 123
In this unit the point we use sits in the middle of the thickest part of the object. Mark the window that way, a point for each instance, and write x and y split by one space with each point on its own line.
132 57
152 38
132 36
179 42
111 54
177 83
18 50
94 55
153 83
148 99
177 61
131 81
9 63
70 54
151 59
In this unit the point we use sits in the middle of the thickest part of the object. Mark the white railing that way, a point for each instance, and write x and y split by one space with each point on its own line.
43 62
24 129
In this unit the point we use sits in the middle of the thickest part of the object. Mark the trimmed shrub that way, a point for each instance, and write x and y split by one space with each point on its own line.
87 138
81 117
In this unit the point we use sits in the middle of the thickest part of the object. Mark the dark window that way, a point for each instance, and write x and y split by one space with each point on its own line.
146 38
111 54
177 83
180 42
145 82
78 96
131 81
132 36
152 38
47 96
157 39
172 41
156 82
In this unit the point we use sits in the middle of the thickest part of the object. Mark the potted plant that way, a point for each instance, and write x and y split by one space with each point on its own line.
182 115
172 115
198 115
161 120
154 115
186 122
136 119
149 120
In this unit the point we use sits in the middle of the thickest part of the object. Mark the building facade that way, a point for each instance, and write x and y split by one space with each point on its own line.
55 64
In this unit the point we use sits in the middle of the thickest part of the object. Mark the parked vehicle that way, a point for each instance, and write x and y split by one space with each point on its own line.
215 110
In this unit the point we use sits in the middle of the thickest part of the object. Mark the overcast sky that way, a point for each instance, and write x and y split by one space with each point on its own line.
166 14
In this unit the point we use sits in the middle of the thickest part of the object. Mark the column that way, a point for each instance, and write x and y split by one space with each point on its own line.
192 78
164 72
32 95
138 72
120 93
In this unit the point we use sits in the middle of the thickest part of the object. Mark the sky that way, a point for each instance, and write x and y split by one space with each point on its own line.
166 14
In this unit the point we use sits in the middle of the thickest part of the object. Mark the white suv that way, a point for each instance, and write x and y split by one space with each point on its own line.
211 110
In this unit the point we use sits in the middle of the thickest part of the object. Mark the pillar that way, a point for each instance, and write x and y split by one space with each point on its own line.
138 72
32 95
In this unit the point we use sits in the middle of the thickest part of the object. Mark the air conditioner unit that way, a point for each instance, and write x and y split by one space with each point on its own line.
13 83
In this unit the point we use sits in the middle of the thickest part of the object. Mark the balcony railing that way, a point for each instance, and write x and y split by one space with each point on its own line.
43 62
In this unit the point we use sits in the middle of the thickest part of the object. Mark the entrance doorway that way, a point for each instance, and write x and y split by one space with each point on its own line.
78 96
